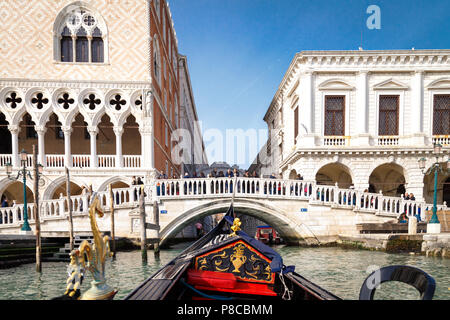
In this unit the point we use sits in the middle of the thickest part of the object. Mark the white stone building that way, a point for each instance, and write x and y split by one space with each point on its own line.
363 119
195 158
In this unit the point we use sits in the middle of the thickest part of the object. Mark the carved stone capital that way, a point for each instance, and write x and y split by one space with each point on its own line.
67 130
14 129
93 131
118 131
40 130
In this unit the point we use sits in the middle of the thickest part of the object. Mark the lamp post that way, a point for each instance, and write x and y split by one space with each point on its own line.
434 224
23 172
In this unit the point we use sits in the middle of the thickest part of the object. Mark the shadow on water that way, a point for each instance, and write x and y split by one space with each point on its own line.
341 271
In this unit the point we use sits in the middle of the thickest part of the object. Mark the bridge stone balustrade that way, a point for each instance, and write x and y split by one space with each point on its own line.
298 209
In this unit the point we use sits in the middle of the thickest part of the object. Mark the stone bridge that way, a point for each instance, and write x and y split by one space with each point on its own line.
298 209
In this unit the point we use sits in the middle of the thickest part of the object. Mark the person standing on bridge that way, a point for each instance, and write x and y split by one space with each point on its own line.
133 183
5 202
199 228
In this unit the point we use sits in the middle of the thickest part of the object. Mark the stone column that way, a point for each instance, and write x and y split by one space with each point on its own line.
147 147
89 37
41 130
415 184
146 131
416 127
14 129
306 110
67 147
119 157
74 48
93 131
362 107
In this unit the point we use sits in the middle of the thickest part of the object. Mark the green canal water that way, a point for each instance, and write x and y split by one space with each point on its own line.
340 271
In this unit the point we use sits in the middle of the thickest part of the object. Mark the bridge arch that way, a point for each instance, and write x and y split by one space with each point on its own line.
13 190
391 178
60 183
121 182
332 172
286 227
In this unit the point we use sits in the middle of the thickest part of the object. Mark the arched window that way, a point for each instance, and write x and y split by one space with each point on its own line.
156 61
97 46
157 8
66 46
82 45
80 36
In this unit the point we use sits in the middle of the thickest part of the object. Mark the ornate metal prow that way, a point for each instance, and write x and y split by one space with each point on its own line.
92 258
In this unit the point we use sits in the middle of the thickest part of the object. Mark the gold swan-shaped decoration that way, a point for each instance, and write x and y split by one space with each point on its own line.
93 257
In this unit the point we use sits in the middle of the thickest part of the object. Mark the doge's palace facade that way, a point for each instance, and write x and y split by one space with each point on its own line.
94 84
363 119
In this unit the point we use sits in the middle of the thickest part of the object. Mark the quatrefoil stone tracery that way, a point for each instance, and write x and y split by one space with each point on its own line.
13 100
65 101
39 101
117 102
79 18
138 102
92 101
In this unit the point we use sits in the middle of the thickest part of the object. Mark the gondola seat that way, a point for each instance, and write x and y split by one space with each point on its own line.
226 282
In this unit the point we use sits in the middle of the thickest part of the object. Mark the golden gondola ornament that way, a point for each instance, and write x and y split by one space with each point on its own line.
236 226
93 257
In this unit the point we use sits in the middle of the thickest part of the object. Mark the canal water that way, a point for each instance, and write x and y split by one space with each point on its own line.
340 271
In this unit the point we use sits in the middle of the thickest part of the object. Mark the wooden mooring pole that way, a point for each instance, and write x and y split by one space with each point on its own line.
113 236
36 211
70 209
143 224
156 223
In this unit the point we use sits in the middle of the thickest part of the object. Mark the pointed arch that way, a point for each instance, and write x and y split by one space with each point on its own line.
80 16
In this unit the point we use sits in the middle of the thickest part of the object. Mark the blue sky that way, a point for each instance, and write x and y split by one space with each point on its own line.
239 50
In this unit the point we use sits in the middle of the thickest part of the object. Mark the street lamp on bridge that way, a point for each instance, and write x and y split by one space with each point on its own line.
23 173
434 224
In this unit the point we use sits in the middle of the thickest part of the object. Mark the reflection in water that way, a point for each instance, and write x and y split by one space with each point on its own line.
340 271
343 271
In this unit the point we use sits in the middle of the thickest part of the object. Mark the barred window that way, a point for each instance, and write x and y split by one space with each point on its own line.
388 115
335 115
156 61
441 115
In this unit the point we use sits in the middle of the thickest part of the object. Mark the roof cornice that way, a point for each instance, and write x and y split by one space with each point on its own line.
398 60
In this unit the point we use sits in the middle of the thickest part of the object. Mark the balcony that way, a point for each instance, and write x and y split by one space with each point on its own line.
336 141
58 161
443 140
388 141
